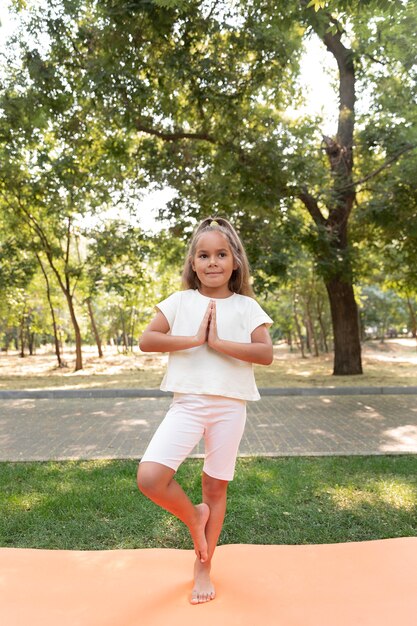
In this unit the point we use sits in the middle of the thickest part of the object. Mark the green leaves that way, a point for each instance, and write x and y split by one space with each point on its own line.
172 4
355 5
17 267
317 4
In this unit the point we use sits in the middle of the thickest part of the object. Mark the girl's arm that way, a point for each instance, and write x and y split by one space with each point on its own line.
156 339
259 351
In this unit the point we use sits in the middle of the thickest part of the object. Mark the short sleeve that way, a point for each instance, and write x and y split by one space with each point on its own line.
169 307
258 317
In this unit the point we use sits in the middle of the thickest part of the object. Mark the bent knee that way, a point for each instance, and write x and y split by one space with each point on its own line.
214 488
146 480
150 481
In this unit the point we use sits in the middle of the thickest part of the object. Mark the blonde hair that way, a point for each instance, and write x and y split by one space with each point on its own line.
240 279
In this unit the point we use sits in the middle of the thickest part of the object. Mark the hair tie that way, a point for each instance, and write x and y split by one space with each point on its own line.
214 224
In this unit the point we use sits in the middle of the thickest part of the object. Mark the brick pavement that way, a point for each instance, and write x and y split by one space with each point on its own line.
120 427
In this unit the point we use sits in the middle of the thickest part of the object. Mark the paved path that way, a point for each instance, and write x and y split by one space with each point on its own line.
33 429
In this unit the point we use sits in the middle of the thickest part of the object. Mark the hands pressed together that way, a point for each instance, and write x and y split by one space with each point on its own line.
207 333
259 350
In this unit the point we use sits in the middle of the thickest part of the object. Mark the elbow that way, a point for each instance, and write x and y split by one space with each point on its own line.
269 358
143 344
263 361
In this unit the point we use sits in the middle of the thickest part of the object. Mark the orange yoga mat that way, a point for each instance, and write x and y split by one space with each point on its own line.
353 584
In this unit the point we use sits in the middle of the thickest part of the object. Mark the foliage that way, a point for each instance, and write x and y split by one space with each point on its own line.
102 100
383 313
300 310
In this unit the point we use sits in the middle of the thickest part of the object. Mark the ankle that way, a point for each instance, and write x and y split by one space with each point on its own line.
195 520
202 567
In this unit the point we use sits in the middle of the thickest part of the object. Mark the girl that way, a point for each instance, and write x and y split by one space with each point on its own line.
214 331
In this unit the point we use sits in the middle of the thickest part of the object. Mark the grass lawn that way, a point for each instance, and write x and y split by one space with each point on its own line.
96 505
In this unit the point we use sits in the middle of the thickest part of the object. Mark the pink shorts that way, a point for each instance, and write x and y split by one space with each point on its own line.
220 420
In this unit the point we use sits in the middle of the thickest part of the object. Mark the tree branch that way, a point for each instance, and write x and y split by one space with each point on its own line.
312 206
381 168
347 97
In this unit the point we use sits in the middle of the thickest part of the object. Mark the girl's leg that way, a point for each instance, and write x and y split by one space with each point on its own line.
157 483
222 437
215 496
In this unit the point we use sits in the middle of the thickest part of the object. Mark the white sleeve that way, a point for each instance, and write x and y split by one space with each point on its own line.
169 307
258 317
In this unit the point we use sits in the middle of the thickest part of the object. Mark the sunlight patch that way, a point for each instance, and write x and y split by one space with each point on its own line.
394 494
401 439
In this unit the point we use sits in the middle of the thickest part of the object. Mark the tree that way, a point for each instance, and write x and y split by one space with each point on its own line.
134 270
383 312
58 164
329 200
52 311
116 264
17 269
328 197
388 207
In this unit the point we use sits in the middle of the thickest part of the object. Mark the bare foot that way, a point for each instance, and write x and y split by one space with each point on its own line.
203 590
198 533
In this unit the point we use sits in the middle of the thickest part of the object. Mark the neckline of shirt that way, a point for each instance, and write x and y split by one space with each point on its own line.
210 298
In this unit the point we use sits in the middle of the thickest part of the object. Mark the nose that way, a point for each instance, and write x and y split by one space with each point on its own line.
213 260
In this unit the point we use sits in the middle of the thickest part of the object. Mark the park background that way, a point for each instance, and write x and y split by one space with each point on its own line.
124 123
105 103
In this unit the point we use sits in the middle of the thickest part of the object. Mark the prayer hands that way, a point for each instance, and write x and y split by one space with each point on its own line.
213 338
207 333
203 331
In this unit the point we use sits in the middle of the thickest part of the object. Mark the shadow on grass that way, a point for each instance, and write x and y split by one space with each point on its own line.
96 505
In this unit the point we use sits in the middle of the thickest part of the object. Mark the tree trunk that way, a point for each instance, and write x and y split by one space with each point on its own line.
332 229
51 308
309 342
413 318
124 332
323 332
77 333
347 347
132 327
310 330
22 337
94 327
299 333
31 341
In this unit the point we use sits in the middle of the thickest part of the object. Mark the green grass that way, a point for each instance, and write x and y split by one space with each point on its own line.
96 505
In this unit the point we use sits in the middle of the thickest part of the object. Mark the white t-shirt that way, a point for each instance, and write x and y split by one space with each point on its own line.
202 370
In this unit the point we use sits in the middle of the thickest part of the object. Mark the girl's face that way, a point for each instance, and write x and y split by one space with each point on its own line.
213 262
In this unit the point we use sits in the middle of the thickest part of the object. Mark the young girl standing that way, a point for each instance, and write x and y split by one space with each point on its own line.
214 331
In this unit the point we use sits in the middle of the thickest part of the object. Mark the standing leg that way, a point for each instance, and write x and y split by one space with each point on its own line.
215 496
157 483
